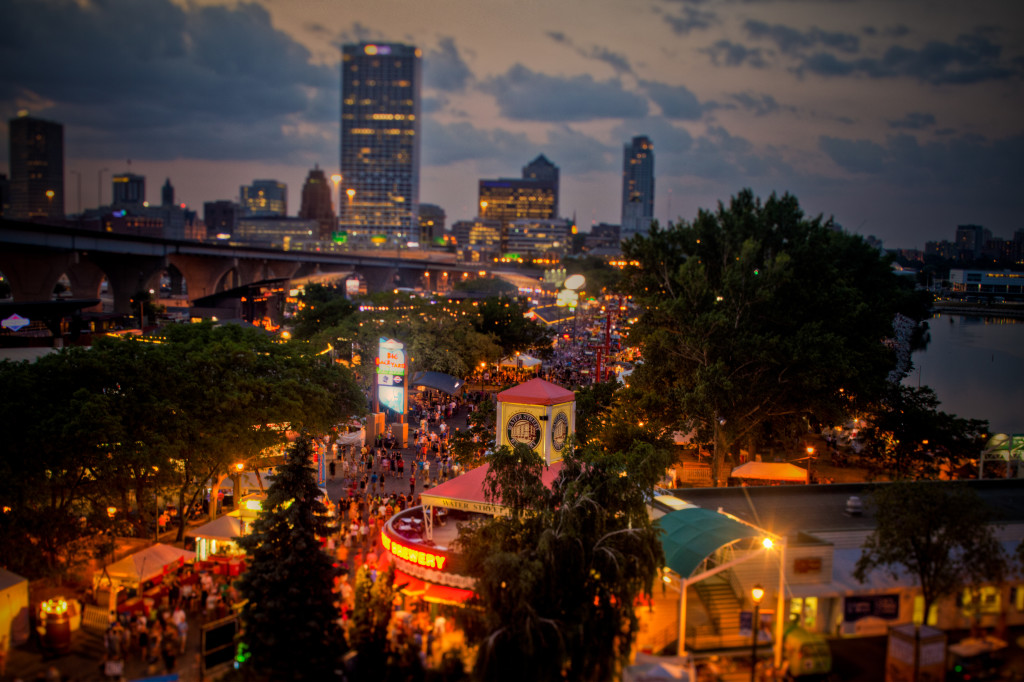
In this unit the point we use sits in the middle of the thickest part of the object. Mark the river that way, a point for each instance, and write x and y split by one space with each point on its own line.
976 367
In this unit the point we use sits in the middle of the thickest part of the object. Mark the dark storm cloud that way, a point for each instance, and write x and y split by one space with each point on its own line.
445 69
970 59
728 53
526 95
947 164
914 120
675 101
198 82
690 20
792 40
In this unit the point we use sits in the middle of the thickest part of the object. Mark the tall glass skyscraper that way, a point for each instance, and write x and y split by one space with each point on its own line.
637 187
380 141
265 199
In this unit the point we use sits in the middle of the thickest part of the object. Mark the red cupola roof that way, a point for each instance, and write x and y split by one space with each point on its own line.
537 392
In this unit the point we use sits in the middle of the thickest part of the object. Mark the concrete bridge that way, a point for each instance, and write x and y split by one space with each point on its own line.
34 256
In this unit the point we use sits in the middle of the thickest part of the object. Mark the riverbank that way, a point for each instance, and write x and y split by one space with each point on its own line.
1011 310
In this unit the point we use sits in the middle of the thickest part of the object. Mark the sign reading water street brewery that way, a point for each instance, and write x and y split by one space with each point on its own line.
559 431
523 427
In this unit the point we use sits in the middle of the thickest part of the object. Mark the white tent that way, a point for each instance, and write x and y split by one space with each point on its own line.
146 564
223 529
14 611
522 361
770 471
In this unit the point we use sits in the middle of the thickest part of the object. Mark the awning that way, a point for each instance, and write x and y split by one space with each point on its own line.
439 594
223 529
770 471
691 535
445 383
149 563
466 492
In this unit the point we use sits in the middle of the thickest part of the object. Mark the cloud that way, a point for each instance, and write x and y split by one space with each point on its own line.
617 61
759 105
728 53
964 162
690 20
791 40
444 69
970 59
914 120
526 95
856 156
675 101
200 82
579 154
445 144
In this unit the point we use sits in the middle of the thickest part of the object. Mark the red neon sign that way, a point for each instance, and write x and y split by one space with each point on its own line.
413 556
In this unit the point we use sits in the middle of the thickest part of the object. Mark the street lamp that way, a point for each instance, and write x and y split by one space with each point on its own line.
756 594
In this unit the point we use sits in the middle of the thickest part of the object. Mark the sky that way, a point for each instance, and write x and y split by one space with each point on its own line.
899 118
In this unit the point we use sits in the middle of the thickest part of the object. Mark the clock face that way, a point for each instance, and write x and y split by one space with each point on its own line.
523 427
559 431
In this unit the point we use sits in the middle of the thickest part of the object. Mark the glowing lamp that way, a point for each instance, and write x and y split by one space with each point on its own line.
57 605
757 594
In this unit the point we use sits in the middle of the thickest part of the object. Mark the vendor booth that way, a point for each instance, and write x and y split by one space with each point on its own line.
140 571
14 609
527 362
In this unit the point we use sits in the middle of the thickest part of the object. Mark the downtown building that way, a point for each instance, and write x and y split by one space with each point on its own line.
264 199
637 187
37 169
533 197
380 142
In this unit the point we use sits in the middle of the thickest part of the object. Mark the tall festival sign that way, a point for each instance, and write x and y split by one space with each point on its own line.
391 376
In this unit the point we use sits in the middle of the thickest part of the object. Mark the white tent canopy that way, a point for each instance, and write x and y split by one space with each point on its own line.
524 361
770 471
224 529
14 620
147 564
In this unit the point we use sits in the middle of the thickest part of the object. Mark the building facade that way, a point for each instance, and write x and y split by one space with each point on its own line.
221 218
431 220
264 199
477 240
316 202
380 141
534 240
508 199
37 169
128 189
637 187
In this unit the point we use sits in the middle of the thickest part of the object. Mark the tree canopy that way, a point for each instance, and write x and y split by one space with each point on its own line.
756 320
558 577
290 618
939 532
114 424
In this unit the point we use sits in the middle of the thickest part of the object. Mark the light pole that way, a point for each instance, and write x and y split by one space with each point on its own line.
99 186
756 594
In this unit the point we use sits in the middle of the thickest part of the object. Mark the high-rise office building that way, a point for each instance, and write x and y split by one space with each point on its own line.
542 169
37 168
221 218
265 199
431 219
316 202
533 197
129 189
167 194
380 140
637 187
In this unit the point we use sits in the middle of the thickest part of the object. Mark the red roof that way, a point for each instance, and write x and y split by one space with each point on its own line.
537 392
469 487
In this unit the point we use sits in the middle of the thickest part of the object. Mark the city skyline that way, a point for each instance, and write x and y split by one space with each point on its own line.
900 119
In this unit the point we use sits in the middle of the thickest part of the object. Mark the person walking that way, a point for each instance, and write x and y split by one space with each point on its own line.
412 484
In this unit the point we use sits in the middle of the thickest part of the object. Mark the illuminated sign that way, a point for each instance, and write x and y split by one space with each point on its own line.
523 427
391 357
15 322
412 555
559 431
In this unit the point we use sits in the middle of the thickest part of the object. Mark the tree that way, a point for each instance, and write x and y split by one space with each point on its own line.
323 307
291 619
470 446
940 532
371 615
504 317
757 320
558 577
911 438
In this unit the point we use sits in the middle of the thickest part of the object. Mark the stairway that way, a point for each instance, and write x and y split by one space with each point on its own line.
722 604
